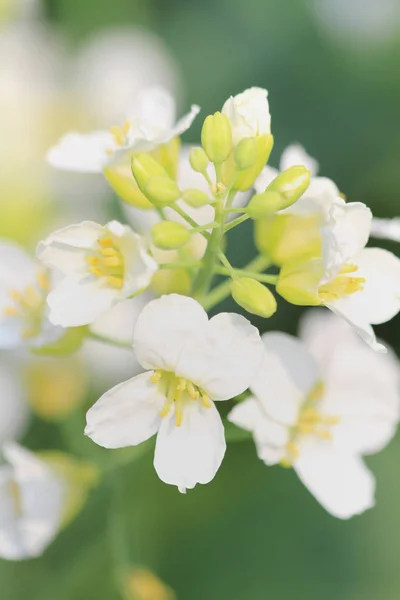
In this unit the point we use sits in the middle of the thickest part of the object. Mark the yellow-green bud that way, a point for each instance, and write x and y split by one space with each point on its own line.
253 297
290 184
144 167
246 153
198 160
196 198
264 205
169 235
245 179
162 190
299 281
216 137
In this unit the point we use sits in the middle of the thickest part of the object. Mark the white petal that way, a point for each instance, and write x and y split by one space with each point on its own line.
379 301
42 499
184 122
80 301
270 455
266 177
126 415
10 332
318 199
11 544
193 452
119 322
246 414
83 153
295 154
387 229
286 376
154 106
339 481
346 234
65 249
17 270
163 329
14 410
223 357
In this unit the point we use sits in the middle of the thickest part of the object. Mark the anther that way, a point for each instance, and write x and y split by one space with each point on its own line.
115 282
106 241
205 400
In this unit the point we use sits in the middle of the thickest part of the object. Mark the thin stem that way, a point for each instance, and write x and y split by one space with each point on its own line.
207 178
227 269
273 279
236 222
222 291
202 228
188 219
161 212
108 340
230 199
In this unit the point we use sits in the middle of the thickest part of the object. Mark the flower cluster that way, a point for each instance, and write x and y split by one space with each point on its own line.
317 403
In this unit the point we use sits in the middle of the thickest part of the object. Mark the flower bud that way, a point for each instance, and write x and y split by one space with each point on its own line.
162 190
291 184
198 160
253 297
264 205
144 167
246 153
216 137
245 179
299 281
121 180
169 235
248 114
196 198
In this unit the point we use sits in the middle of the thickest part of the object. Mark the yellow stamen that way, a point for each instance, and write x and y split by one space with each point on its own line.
31 297
193 393
105 241
342 285
182 385
15 295
115 282
205 400
109 251
178 412
112 261
92 260
43 281
155 378
11 311
97 271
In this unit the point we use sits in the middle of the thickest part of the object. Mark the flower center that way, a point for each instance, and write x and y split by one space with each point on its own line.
29 305
107 261
178 391
120 134
310 422
342 285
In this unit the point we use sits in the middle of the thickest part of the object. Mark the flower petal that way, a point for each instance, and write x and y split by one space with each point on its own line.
80 301
193 452
223 357
43 496
82 153
295 154
163 329
11 544
286 376
126 415
17 270
339 481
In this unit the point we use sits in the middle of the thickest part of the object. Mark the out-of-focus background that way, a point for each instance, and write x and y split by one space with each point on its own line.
332 71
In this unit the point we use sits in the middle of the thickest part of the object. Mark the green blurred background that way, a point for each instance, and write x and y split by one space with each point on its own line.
332 71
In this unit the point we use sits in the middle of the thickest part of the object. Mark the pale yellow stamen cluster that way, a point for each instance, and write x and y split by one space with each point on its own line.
310 422
342 284
29 304
107 261
120 133
178 391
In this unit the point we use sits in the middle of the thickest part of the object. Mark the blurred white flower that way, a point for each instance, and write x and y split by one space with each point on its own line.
31 504
193 361
386 229
320 404
295 154
14 410
248 114
115 65
24 286
150 122
101 265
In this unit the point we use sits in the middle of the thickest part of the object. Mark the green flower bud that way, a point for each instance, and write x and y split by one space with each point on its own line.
216 137
246 178
264 205
198 160
299 281
144 167
291 184
246 153
162 190
253 297
121 180
196 198
169 235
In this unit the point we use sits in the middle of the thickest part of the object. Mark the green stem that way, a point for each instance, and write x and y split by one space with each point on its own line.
108 340
201 228
236 222
273 279
189 219
227 269
222 291
230 199
204 277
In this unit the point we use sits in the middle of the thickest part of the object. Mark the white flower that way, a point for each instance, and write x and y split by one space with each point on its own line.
360 284
319 406
24 286
101 266
248 114
293 155
31 504
386 229
150 123
192 362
